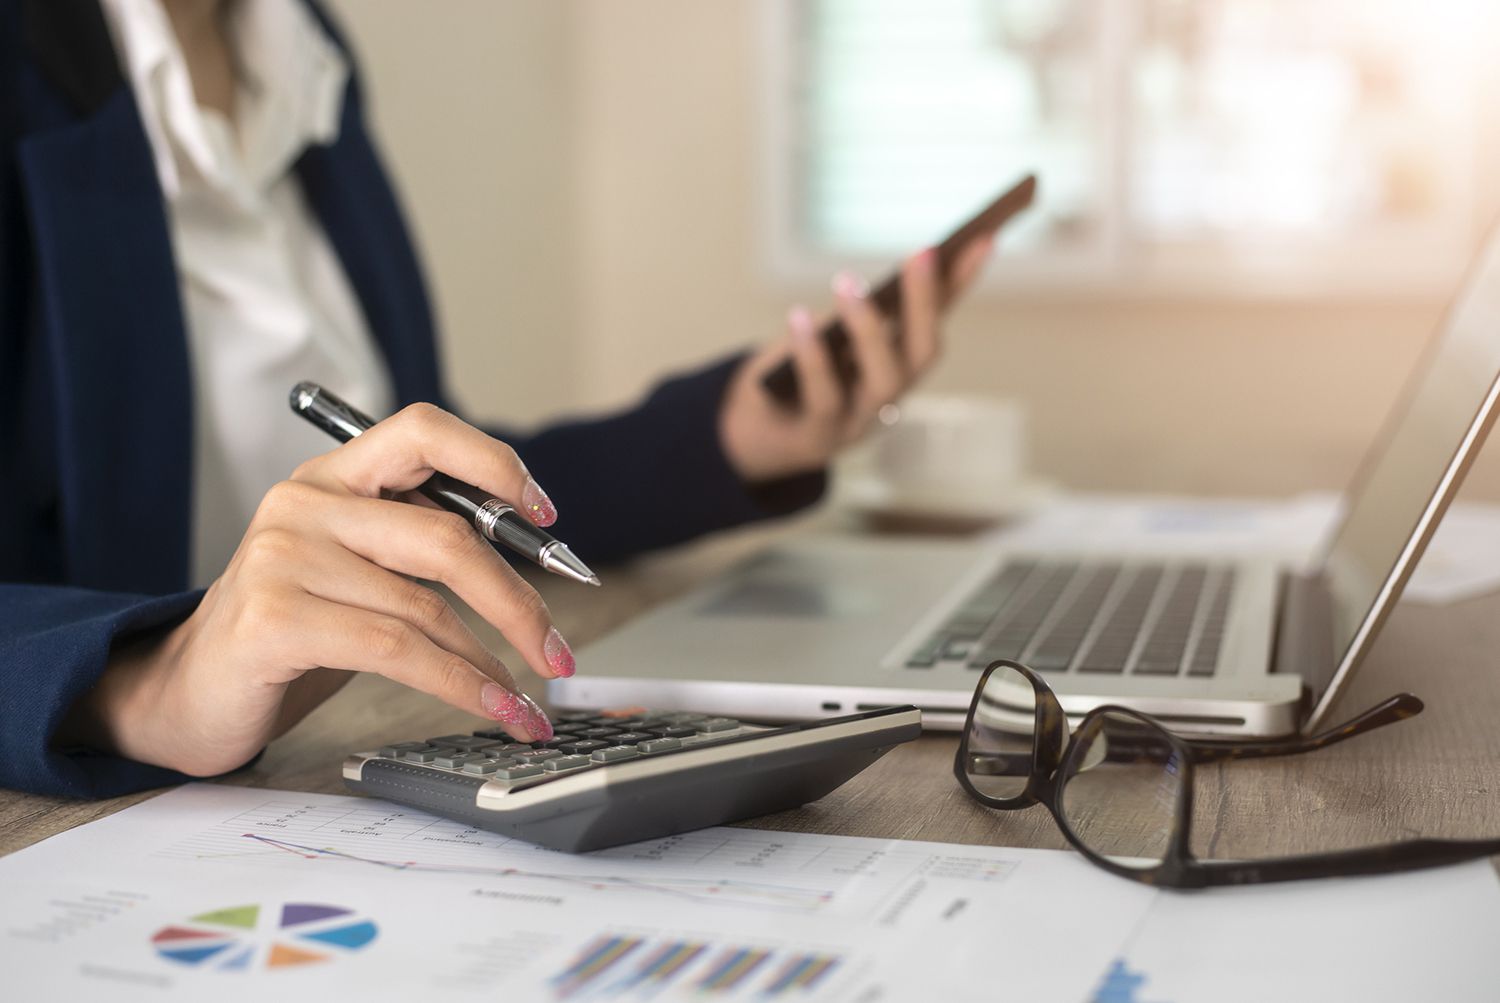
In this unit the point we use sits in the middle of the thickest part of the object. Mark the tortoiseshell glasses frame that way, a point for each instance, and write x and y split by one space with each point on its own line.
1057 757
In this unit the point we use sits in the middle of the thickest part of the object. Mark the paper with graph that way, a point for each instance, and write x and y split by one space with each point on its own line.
226 893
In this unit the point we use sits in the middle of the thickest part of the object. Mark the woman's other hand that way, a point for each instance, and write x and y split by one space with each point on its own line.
765 440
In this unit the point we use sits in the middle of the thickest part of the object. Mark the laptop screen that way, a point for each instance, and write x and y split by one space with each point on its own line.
1415 465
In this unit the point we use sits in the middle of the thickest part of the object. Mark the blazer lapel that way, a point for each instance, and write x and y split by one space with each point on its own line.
109 309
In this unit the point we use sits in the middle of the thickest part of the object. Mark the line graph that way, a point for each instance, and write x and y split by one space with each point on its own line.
377 836
740 893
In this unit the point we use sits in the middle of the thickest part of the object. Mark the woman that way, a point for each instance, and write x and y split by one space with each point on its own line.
193 219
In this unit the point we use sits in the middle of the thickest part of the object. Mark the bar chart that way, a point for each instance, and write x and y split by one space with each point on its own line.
630 967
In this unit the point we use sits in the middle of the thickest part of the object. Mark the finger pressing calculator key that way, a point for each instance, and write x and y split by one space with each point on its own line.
610 778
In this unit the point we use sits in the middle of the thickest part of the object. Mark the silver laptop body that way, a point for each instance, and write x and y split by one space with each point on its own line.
1214 644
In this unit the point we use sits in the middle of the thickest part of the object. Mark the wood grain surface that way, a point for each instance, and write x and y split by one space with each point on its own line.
1435 775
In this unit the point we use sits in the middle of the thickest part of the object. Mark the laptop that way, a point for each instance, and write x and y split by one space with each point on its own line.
1215 644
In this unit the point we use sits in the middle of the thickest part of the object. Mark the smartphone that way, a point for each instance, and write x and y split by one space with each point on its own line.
781 382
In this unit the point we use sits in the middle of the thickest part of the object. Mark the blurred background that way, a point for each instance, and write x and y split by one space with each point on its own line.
1253 211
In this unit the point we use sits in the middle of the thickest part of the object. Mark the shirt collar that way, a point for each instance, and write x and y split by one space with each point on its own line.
289 94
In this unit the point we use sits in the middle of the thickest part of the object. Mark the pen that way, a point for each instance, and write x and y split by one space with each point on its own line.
496 520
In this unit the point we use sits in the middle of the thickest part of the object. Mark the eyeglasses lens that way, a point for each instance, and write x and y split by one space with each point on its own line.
1121 788
1002 735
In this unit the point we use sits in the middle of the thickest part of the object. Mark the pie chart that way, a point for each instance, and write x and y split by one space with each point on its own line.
245 938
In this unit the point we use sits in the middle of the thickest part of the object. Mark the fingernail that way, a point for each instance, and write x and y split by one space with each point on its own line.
503 705
847 285
515 709
927 258
538 506
536 721
800 321
558 654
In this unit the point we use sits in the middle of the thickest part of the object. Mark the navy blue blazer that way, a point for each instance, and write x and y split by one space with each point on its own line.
96 397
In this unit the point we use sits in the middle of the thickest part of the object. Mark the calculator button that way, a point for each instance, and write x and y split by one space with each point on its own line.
481 766
506 751
422 754
456 760
675 731
520 771
600 732
536 755
614 753
715 724
562 763
584 746
574 715
394 751
659 745
466 742
632 737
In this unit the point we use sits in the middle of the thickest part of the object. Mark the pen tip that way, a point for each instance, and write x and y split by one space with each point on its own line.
594 580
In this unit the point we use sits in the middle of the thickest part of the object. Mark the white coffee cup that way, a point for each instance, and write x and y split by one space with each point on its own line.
946 456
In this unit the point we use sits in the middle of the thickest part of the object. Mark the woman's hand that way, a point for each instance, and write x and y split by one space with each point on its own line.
318 588
765 440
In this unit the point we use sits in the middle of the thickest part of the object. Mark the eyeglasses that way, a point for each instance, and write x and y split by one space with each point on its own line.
1120 786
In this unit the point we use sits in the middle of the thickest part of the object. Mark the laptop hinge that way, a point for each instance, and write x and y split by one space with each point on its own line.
1304 632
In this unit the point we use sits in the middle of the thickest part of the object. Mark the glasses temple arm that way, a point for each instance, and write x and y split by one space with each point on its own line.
1389 711
1410 855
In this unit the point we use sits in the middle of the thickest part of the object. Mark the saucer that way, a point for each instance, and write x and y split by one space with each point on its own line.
873 496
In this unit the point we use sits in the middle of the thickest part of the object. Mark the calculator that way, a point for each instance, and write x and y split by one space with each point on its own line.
612 777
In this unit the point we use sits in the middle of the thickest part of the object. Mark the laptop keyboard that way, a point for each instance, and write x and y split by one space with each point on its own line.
1145 619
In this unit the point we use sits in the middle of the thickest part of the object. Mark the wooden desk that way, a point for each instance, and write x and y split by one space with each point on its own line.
1434 775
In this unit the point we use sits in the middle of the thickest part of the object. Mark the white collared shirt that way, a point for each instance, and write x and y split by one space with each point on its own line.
265 299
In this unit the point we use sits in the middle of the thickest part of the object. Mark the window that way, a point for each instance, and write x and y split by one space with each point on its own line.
1254 146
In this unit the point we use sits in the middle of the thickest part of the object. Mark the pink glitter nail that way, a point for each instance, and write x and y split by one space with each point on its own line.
537 505
536 721
558 654
507 707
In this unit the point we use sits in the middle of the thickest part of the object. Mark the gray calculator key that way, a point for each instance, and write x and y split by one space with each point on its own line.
395 750
659 745
676 731
422 754
562 763
536 755
584 746
456 760
615 752
506 751
468 743
714 724
482 766
520 771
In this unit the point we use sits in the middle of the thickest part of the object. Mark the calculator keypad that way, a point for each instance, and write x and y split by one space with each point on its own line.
581 740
